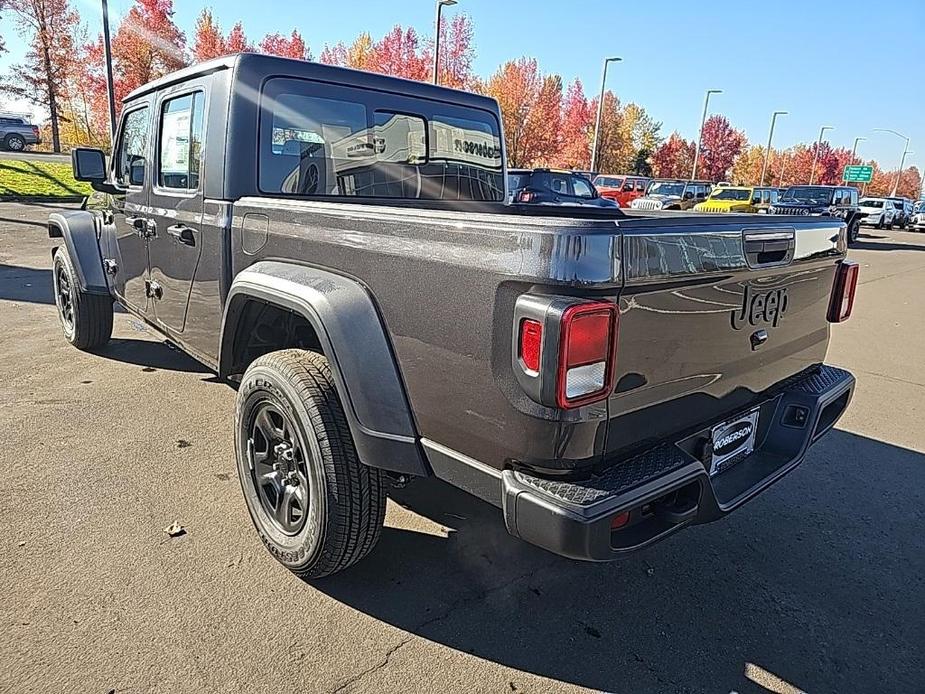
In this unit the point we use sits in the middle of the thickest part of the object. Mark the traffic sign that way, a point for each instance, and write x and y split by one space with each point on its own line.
858 174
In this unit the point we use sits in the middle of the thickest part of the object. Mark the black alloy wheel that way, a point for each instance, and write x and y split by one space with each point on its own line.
278 467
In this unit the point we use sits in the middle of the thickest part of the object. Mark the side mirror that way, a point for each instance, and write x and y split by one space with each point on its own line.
689 195
756 201
88 164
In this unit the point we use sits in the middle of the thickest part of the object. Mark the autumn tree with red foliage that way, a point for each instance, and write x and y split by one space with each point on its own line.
237 42
576 129
208 41
720 144
456 52
399 54
292 47
50 27
674 158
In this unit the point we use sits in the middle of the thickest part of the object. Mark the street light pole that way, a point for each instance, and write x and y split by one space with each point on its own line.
600 110
902 162
110 85
767 151
854 151
703 120
440 4
812 172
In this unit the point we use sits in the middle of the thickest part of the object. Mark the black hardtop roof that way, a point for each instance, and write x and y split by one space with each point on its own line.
274 66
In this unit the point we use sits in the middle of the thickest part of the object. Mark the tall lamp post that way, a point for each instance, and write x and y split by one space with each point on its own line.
703 120
440 4
902 162
110 85
854 150
812 172
767 151
600 110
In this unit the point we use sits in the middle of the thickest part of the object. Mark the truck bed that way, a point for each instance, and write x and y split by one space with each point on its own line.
445 282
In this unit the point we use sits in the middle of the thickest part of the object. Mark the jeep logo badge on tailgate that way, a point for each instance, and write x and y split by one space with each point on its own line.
760 307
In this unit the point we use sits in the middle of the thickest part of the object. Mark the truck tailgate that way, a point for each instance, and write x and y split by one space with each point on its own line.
713 313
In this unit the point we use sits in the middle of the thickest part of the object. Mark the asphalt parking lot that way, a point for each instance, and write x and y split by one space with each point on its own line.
815 586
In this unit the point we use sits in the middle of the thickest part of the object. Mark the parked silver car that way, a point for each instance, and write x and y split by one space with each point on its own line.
917 222
877 212
16 133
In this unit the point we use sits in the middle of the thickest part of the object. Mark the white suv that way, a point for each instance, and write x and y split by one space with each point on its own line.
877 212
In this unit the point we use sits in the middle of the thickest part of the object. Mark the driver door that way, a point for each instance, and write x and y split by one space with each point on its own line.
128 211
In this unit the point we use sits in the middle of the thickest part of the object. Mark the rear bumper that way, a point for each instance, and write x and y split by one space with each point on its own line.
663 489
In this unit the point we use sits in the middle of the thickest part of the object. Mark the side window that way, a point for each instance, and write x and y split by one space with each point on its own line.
700 192
628 186
640 186
766 197
180 142
558 184
133 148
853 199
582 187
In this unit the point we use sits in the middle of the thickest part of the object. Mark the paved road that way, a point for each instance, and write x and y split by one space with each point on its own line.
817 584
29 155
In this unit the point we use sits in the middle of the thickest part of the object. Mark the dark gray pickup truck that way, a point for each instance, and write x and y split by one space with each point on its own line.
338 246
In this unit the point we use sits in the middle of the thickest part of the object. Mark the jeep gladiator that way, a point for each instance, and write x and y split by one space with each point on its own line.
338 245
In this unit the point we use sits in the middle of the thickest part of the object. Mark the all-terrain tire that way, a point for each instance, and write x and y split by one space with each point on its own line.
88 323
347 498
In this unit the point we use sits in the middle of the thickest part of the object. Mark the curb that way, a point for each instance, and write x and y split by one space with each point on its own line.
42 198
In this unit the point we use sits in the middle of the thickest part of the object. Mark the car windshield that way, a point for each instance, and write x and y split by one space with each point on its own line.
871 203
731 194
666 188
920 207
608 182
808 194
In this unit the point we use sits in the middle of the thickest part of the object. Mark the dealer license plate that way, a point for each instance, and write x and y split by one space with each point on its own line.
732 441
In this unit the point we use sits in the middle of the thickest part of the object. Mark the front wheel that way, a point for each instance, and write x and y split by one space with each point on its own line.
86 319
854 230
315 506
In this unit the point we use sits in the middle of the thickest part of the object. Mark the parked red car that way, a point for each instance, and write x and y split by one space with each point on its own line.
624 189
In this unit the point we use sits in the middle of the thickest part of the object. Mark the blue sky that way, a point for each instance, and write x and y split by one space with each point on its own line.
854 65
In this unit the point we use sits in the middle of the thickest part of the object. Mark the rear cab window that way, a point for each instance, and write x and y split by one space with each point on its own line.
180 142
326 140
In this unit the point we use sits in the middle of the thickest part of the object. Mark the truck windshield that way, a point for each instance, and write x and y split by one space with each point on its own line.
731 194
324 140
608 182
871 203
666 188
818 195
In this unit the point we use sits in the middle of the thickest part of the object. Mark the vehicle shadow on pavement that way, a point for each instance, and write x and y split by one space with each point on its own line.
150 355
33 285
864 245
795 584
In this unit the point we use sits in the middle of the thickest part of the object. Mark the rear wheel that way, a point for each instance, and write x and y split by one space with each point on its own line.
315 506
86 319
15 143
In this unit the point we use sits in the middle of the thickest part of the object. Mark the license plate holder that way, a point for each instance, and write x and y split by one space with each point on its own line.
732 440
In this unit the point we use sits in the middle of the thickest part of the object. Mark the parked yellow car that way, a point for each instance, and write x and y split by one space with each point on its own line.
738 199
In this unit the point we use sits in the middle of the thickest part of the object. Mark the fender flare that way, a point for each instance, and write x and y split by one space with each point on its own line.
78 229
354 340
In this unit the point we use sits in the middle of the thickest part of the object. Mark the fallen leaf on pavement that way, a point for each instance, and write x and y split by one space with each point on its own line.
175 529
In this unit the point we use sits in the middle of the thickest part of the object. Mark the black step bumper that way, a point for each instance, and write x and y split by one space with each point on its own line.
663 489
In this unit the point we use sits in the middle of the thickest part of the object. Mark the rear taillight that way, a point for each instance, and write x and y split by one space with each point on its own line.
525 196
587 336
842 300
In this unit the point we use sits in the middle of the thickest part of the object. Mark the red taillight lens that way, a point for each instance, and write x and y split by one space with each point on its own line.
586 354
531 337
524 196
846 283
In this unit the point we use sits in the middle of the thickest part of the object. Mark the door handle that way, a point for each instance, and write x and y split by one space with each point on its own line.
139 223
182 234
